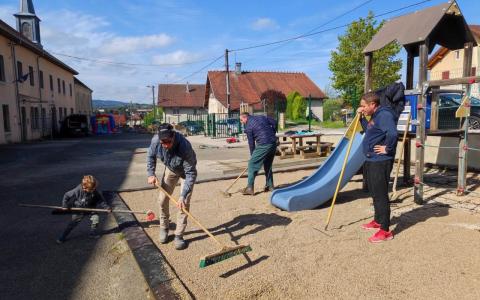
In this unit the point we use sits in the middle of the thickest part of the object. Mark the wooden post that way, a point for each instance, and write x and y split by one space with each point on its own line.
407 157
421 122
368 71
462 152
434 110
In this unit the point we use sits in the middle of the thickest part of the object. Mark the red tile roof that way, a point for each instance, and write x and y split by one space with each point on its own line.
248 86
442 51
176 95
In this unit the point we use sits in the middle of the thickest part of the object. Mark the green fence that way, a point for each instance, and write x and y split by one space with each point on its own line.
213 125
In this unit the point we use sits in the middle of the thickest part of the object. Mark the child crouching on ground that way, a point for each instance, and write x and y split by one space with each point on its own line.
85 195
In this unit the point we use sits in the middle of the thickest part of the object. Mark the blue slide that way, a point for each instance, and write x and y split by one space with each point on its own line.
319 187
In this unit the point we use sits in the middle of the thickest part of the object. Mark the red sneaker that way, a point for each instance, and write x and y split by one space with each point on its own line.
371 225
381 236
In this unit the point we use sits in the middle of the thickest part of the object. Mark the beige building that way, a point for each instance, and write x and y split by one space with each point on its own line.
37 91
83 98
447 64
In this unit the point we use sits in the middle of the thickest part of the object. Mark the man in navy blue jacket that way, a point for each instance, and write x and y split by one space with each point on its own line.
379 145
262 140
180 161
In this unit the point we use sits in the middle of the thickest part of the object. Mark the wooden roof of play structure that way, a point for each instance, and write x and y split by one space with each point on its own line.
443 24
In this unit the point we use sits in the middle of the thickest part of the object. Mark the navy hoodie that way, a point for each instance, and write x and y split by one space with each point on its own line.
380 130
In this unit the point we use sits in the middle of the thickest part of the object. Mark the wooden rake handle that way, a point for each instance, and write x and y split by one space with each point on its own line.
397 169
243 172
340 178
82 209
190 215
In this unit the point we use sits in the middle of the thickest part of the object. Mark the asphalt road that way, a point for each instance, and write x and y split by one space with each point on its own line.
32 265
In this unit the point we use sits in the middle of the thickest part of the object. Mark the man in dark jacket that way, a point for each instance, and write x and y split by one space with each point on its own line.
379 145
180 161
85 195
260 131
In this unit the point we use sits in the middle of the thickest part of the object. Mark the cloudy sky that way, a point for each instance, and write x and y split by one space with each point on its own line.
121 46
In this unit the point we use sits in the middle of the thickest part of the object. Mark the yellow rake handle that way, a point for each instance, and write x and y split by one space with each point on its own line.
243 172
190 215
355 125
397 169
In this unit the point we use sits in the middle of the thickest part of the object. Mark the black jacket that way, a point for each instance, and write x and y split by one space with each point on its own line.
79 198
393 96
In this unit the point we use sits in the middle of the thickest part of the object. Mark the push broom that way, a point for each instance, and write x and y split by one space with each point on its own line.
150 214
225 252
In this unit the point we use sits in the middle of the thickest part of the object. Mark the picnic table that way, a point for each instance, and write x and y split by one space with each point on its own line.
288 143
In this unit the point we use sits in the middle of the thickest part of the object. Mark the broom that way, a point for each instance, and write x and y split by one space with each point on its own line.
225 251
150 214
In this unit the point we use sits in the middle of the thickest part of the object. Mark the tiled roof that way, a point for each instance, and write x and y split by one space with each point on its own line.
20 40
176 95
248 86
442 51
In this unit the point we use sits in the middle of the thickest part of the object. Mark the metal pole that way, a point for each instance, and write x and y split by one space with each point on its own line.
227 81
310 112
153 102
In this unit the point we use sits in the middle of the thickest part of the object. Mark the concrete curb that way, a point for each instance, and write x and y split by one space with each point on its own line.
156 270
228 177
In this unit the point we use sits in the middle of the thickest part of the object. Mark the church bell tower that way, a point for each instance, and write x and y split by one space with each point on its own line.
28 23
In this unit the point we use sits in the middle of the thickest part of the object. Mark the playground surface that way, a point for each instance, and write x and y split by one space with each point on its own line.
434 253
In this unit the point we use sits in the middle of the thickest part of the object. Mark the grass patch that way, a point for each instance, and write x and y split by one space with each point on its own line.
333 124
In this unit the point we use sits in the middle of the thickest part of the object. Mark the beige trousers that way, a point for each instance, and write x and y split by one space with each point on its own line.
169 181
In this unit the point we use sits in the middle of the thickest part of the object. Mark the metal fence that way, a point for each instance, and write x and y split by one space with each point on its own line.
217 125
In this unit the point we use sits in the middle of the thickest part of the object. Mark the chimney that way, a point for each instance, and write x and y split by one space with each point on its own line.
238 68
187 88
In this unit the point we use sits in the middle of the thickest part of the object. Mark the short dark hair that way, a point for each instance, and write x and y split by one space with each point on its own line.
246 114
371 97
165 131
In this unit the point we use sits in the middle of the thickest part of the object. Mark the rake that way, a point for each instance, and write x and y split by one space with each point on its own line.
150 214
226 193
225 251
397 169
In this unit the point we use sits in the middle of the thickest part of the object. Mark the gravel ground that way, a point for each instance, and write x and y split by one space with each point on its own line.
434 254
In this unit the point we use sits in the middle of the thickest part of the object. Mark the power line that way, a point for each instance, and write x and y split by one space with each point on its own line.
318 27
128 64
200 70
321 31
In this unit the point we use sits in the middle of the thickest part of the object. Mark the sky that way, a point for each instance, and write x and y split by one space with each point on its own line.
134 44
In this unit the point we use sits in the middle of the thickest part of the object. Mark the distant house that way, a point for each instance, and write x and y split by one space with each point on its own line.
246 88
180 100
447 64
83 98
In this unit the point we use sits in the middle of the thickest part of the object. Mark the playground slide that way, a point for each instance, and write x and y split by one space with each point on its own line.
319 187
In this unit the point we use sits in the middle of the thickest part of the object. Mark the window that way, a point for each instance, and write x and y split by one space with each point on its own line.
36 117
457 54
474 71
6 118
60 114
40 78
44 118
32 124
71 111
30 75
176 111
446 75
2 69
65 112
19 69
58 85
63 86
51 82
71 93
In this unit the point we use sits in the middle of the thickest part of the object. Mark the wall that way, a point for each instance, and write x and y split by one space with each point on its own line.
317 109
170 117
83 100
215 107
32 96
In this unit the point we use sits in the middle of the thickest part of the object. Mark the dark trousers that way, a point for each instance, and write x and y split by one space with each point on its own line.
378 177
262 155
76 219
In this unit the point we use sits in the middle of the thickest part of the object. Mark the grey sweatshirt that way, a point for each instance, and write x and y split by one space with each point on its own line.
180 159
79 198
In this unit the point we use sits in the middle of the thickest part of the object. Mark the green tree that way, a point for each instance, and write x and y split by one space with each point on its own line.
347 62
148 119
296 106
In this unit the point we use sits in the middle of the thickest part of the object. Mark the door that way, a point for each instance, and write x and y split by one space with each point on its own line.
24 124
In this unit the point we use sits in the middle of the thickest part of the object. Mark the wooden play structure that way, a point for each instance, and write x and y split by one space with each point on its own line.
418 33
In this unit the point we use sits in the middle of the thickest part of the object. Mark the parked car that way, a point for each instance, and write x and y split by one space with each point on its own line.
75 125
229 126
192 127
448 104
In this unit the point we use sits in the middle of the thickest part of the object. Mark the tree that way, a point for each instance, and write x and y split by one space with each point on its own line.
275 101
296 106
148 119
347 62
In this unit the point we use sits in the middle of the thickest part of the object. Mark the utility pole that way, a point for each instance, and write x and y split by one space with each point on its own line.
309 112
227 81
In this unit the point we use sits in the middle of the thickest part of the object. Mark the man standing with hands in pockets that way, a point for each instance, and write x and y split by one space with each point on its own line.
379 146
180 161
